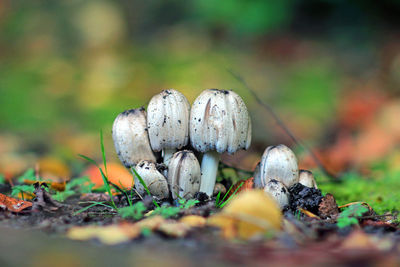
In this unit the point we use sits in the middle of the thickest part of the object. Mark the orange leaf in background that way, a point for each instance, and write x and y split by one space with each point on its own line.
13 204
117 174
248 184
53 169
359 106
53 185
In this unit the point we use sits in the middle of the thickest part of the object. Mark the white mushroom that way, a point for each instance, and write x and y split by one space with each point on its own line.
219 122
279 163
153 179
168 122
278 191
257 177
306 178
130 137
184 174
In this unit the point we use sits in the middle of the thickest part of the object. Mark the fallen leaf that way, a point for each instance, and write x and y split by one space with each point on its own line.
117 174
151 223
110 235
249 214
173 228
194 220
13 204
248 184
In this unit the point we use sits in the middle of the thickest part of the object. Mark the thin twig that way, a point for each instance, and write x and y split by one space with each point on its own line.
281 124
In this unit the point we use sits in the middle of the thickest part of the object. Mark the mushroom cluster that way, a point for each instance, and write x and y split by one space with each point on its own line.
217 122
278 171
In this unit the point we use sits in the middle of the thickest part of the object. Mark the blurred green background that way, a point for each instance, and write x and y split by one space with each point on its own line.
67 68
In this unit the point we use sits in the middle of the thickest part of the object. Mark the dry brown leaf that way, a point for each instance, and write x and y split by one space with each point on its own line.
110 235
194 220
328 207
13 204
248 184
249 214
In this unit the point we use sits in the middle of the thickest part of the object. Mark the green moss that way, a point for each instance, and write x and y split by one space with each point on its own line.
381 193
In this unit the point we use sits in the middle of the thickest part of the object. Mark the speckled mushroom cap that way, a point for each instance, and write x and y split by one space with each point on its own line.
154 180
130 137
168 120
219 121
279 163
278 191
184 174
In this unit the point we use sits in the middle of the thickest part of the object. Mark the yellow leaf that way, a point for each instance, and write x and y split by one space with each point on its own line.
249 214
151 223
110 235
194 220
173 228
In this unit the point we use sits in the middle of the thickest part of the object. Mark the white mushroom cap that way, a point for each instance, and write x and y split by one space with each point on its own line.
184 174
278 191
154 180
168 120
219 121
279 163
130 137
306 178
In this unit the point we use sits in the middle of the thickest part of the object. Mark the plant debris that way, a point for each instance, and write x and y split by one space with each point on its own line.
304 197
328 207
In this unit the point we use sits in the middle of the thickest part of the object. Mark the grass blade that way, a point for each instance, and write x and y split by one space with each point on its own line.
103 152
89 159
85 208
227 193
234 193
106 183
217 199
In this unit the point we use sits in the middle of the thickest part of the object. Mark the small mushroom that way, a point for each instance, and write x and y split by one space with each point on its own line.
219 122
219 189
278 191
184 175
306 178
279 163
130 137
153 179
168 122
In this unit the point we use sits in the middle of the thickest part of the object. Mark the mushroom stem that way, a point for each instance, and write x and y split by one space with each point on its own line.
167 154
209 168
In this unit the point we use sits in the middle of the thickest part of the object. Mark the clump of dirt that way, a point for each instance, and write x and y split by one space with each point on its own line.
328 207
304 197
